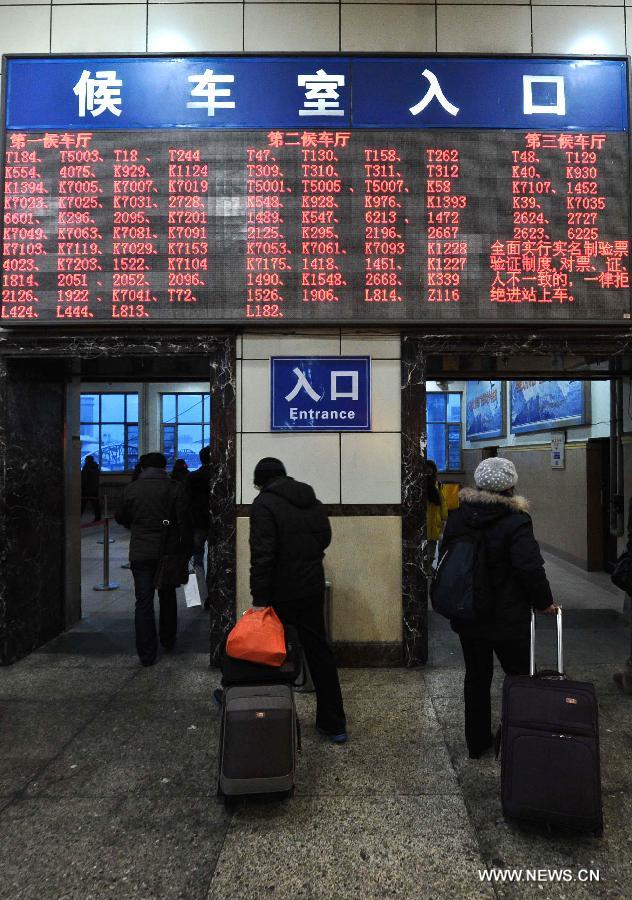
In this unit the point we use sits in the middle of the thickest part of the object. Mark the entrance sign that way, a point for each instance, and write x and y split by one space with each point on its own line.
315 189
320 393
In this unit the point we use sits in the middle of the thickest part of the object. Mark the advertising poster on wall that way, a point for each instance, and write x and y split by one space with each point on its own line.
545 405
484 410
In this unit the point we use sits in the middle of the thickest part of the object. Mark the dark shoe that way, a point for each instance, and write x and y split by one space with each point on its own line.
339 738
168 647
218 696
148 662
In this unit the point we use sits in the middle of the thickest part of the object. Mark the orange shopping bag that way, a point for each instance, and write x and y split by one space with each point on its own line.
258 637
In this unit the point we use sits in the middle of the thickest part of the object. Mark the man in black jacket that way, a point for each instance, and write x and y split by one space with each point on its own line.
289 532
518 582
146 502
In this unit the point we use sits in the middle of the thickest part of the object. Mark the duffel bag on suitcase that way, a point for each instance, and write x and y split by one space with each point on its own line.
258 742
550 769
240 671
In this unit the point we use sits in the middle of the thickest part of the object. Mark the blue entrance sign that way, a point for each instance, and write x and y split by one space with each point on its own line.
128 93
320 393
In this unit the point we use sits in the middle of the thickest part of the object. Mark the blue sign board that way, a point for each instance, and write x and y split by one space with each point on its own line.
126 93
544 405
484 410
320 393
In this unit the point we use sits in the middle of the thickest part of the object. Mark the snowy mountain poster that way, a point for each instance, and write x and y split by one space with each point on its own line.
543 405
484 410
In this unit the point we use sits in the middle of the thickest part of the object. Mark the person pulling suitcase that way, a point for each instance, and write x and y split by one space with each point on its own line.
493 530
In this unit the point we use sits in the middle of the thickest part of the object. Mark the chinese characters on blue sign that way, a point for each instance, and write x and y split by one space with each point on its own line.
320 393
298 92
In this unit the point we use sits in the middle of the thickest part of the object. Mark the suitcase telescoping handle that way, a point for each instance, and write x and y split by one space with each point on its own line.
560 647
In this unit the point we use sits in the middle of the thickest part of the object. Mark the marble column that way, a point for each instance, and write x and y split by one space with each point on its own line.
414 584
222 568
32 598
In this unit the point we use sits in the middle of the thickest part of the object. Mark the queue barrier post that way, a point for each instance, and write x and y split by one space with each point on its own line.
106 585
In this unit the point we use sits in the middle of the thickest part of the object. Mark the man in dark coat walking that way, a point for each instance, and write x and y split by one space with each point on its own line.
517 580
149 500
199 485
90 476
289 532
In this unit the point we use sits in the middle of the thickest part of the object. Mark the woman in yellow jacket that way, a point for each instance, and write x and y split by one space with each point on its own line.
436 515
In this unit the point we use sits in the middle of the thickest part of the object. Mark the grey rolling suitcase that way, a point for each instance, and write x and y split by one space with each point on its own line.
259 741
550 747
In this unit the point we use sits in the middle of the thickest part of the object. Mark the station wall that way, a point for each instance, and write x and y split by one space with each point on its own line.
522 26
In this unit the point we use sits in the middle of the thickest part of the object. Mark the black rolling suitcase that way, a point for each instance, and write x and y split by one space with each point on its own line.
550 747
260 735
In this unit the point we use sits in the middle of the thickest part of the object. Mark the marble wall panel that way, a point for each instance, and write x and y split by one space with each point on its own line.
32 534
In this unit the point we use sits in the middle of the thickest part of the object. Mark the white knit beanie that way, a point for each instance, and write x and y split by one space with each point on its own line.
495 474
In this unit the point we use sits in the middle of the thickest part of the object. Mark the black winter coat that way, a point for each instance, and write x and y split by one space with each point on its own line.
199 485
90 475
145 504
289 532
515 565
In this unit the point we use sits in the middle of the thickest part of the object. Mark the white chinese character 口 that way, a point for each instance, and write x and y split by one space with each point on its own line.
302 384
434 91
554 109
98 94
207 87
321 95
351 392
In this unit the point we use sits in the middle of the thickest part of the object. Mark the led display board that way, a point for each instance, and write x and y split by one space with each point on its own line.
326 190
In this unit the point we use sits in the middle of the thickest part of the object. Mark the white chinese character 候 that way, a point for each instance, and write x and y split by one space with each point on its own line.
554 109
352 391
433 91
98 94
321 96
302 384
207 87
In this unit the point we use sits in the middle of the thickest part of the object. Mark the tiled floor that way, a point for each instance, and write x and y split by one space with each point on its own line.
107 773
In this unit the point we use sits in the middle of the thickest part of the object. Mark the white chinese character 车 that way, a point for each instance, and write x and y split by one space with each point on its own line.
554 109
98 94
207 87
351 392
434 91
321 95
302 384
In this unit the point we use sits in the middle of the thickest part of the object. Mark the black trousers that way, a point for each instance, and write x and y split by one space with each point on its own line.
308 619
144 573
478 654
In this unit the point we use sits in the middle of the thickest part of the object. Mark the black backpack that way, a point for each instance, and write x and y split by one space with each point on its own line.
461 588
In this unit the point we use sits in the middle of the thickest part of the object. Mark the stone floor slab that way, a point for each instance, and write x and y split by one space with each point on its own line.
324 848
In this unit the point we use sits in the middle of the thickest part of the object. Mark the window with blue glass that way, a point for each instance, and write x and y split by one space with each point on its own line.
109 430
185 426
443 422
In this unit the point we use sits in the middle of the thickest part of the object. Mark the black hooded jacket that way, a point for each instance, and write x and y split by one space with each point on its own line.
145 504
289 532
515 565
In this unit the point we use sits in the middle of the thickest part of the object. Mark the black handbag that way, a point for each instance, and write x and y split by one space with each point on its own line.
173 564
622 575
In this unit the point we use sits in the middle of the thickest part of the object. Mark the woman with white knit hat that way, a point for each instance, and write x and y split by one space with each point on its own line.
517 582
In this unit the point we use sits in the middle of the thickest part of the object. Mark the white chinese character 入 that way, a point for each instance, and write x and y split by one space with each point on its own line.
302 384
321 96
207 87
98 94
434 91
554 109
351 393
